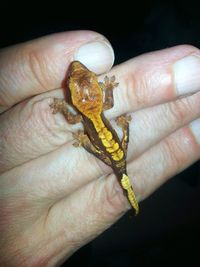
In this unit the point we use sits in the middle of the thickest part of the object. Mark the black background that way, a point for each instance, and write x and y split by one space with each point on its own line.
165 232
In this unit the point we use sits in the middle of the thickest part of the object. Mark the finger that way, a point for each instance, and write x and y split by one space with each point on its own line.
53 176
40 65
100 203
155 78
168 158
149 126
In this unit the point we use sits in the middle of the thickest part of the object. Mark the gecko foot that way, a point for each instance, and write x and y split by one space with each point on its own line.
109 83
80 138
123 120
58 105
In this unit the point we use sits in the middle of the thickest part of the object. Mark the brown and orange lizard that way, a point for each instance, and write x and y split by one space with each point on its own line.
90 98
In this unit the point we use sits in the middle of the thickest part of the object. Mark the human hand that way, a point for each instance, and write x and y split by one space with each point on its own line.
55 197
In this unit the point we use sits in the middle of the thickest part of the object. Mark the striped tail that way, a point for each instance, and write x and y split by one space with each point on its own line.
125 182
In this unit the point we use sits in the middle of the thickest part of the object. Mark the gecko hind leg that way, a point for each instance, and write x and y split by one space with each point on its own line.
107 88
123 121
83 140
60 105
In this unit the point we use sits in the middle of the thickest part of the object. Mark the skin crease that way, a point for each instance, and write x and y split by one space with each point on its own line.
47 186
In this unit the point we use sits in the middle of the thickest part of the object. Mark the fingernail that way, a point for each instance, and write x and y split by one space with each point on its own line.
187 74
96 56
195 127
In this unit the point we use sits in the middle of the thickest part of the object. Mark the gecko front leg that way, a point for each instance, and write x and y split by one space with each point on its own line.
60 105
107 88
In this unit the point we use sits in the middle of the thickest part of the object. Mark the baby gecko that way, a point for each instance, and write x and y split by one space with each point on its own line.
90 98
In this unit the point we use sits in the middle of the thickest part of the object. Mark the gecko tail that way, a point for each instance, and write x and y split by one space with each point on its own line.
126 184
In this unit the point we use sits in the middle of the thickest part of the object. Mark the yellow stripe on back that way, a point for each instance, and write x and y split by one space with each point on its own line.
107 140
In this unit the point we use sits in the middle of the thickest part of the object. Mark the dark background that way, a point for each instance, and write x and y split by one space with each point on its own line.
165 232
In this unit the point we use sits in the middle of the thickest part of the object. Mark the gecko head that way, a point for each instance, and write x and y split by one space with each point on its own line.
86 93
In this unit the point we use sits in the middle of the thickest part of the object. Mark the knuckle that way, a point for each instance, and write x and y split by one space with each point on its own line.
41 118
173 154
38 67
135 93
27 131
141 85
179 110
